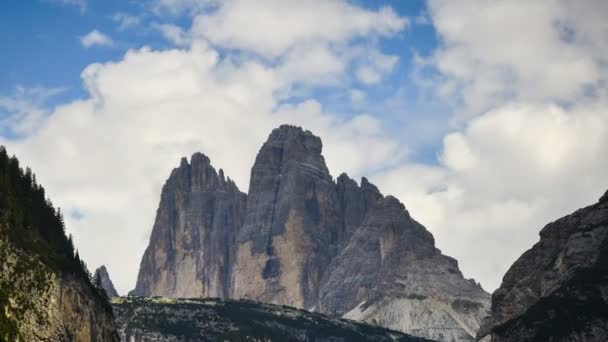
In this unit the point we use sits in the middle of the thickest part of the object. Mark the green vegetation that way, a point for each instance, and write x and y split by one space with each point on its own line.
34 245
238 320
29 221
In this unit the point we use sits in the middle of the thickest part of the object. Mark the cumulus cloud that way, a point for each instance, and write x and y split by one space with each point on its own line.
96 38
175 34
528 84
104 158
272 27
493 52
501 179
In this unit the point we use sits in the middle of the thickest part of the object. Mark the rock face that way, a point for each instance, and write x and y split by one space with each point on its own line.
307 241
291 228
557 290
191 247
163 319
101 279
391 274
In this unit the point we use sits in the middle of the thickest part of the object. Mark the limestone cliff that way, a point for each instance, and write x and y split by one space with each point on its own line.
45 291
557 290
292 224
190 252
308 241
101 279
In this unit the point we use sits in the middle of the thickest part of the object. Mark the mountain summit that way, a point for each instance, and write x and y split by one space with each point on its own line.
101 279
301 238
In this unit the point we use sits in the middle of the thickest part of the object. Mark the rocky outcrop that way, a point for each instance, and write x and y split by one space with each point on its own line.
308 241
163 319
557 290
191 247
101 279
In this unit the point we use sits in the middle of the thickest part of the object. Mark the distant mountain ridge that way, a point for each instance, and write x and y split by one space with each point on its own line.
299 238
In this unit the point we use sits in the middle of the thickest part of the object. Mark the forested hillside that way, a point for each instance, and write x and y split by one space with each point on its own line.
41 275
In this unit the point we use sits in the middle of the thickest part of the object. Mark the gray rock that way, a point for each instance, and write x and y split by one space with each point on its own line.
557 290
101 279
391 274
191 248
292 224
305 240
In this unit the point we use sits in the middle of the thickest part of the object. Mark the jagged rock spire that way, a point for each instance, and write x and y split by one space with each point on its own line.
191 247
101 278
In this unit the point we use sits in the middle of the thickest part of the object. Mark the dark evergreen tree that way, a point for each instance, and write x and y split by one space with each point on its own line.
29 221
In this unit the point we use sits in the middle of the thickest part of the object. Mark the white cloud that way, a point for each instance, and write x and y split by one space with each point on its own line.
374 66
126 21
510 172
272 27
23 111
107 156
96 38
175 34
357 96
368 75
492 52
528 84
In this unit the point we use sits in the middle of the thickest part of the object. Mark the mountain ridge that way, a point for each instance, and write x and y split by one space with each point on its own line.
295 230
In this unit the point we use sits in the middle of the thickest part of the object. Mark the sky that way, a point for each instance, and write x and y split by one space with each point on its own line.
487 119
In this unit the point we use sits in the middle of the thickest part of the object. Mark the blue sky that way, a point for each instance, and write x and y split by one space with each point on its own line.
456 108
46 51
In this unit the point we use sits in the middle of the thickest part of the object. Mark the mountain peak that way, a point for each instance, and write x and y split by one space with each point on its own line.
288 135
102 280
199 173
197 158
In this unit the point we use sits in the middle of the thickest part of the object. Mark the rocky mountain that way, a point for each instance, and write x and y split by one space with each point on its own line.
45 291
192 246
101 279
301 238
557 290
162 319
391 274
